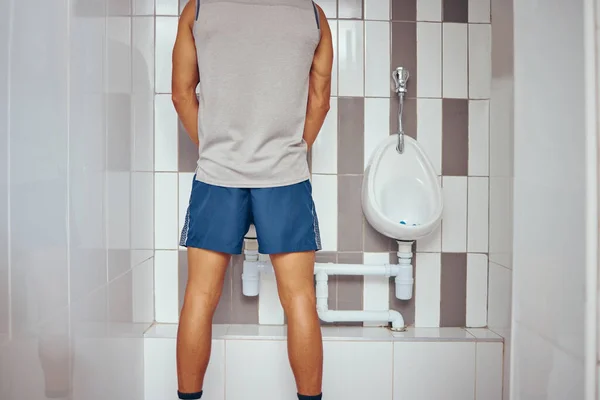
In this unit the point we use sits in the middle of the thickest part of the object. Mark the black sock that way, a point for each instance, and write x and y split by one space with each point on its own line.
190 396
303 397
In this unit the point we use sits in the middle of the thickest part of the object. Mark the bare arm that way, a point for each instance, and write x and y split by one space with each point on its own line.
319 90
185 72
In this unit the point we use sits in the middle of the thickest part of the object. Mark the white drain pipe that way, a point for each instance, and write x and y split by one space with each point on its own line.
327 315
403 273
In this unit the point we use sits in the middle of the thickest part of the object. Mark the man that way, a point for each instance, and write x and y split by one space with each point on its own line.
264 74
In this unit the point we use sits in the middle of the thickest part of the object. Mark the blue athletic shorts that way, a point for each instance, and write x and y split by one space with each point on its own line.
219 217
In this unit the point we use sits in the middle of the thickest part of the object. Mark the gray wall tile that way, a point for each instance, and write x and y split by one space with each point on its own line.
453 308
375 241
456 11
188 152
244 309
404 52
350 288
326 257
404 10
409 116
455 137
350 216
350 9
351 122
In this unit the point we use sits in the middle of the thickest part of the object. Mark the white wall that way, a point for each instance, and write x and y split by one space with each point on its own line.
79 267
4 295
501 177
549 201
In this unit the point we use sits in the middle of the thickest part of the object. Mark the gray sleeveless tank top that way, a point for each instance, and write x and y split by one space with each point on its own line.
254 60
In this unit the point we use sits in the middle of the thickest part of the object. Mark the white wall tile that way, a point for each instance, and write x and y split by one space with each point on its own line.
118 31
499 298
477 290
429 56
377 124
340 365
479 137
165 137
376 288
377 10
455 78
478 214
377 59
166 286
349 9
143 53
428 289
118 210
270 311
326 202
142 212
142 292
160 370
351 58
258 369
479 11
143 92
142 105
429 10
167 7
324 151
166 31
431 243
429 130
333 25
489 371
480 61
501 220
434 370
454 218
185 190
329 7
166 235
143 7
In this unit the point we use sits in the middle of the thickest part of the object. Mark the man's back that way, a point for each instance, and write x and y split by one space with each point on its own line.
254 61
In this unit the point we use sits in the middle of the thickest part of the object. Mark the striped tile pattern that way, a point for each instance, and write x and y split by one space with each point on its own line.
446 47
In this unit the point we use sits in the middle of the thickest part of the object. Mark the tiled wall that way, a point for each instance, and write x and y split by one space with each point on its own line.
79 177
446 46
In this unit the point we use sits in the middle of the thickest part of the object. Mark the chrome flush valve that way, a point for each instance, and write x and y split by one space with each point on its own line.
400 76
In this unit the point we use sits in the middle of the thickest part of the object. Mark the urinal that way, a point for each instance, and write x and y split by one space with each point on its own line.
401 196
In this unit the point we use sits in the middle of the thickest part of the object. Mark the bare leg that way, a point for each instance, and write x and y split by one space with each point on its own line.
206 272
295 283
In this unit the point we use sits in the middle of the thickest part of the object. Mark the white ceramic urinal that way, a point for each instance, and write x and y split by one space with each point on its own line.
401 196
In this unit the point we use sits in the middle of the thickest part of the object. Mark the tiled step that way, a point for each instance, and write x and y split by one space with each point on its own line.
250 362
